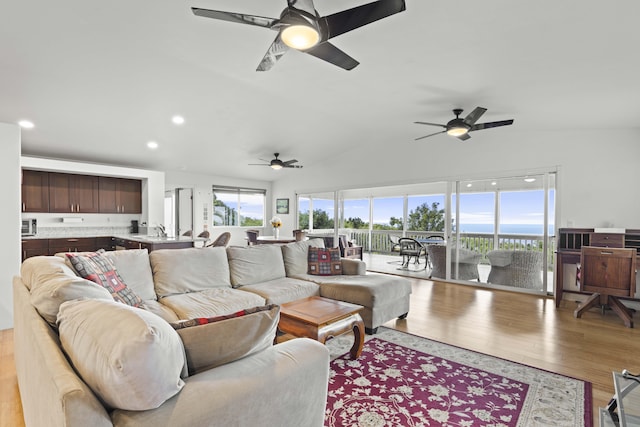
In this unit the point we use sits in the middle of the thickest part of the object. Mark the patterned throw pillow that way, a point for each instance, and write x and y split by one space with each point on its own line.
99 269
324 261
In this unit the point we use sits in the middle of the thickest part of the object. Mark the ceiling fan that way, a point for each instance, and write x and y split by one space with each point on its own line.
301 27
277 164
460 128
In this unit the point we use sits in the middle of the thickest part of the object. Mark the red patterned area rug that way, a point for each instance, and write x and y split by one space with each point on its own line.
405 380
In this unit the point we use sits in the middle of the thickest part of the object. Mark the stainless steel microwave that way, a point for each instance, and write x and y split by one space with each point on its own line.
29 227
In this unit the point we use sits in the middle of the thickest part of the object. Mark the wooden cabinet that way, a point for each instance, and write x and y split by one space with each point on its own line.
120 195
70 193
35 191
78 244
105 243
34 247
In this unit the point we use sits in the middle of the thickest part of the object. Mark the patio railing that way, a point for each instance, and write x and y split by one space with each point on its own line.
381 243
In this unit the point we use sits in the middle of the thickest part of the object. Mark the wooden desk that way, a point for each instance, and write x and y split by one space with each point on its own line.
571 241
263 240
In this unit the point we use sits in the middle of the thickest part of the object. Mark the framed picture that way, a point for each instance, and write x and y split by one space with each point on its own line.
282 206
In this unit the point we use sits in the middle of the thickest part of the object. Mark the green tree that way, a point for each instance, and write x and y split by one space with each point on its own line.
426 218
321 220
355 223
395 223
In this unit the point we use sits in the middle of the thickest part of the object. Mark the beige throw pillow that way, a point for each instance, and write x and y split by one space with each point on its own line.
130 358
211 342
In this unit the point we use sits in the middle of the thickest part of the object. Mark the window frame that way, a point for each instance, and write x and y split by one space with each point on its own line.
239 192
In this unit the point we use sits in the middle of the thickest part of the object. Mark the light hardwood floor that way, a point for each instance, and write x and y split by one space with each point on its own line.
519 327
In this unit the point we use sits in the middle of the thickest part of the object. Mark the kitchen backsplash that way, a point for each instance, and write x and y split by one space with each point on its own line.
53 232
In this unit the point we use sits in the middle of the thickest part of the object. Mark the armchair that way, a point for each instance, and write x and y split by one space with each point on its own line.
467 265
348 249
520 269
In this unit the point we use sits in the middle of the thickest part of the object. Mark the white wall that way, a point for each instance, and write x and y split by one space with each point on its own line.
9 218
597 184
203 196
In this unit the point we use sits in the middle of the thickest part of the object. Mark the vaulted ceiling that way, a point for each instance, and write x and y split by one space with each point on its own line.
101 79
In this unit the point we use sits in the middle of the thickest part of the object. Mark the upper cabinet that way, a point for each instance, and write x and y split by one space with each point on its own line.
73 193
70 193
120 195
35 191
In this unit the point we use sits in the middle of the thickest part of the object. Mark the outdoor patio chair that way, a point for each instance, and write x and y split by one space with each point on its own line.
395 243
467 267
299 235
411 248
520 269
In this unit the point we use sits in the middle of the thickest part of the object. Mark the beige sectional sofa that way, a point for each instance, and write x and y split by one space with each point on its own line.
83 359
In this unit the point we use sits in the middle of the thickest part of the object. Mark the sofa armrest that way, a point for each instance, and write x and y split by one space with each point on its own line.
353 267
289 378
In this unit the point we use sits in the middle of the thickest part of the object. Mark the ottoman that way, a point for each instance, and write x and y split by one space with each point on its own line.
383 297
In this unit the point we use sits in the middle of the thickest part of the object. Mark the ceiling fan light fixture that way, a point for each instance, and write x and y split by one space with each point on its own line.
457 131
300 37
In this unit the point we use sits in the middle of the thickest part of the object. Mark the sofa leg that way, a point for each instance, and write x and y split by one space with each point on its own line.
404 316
371 331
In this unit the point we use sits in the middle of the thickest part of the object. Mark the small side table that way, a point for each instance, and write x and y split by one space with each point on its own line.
321 318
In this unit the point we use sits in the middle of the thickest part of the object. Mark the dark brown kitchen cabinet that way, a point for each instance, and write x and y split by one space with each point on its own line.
35 191
120 195
69 193
77 244
34 247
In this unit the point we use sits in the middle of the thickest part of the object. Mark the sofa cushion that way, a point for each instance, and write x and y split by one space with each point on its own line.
283 290
49 295
134 268
177 271
38 270
324 262
255 264
160 310
214 341
131 358
99 269
211 302
296 254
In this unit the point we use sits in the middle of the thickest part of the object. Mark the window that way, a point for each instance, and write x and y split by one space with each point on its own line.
233 207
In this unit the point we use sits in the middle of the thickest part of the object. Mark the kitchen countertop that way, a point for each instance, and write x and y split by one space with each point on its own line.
142 238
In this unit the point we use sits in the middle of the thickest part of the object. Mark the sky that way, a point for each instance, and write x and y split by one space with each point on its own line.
516 207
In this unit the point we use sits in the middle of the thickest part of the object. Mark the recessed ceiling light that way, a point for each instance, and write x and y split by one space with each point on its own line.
494 183
529 179
469 185
152 145
26 124
177 120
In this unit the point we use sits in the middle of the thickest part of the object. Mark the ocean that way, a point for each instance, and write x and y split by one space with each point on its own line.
533 229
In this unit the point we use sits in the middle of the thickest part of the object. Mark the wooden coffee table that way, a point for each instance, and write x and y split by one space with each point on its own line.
321 318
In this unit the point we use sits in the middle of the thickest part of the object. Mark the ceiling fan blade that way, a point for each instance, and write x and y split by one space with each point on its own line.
464 136
350 19
274 53
238 18
258 164
305 5
431 134
328 52
289 162
488 125
431 124
292 166
473 116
